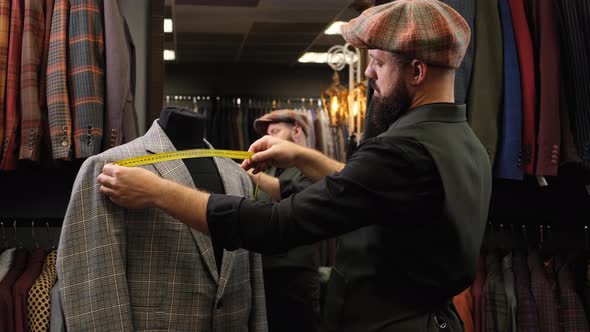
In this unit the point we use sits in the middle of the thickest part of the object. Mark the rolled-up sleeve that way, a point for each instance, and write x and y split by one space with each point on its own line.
386 180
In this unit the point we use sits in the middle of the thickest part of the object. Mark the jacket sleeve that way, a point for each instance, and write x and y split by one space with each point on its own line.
91 260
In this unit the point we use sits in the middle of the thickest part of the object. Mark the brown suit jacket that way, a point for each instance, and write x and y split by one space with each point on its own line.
120 116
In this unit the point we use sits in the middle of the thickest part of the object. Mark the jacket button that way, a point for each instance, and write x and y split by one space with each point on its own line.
440 322
220 304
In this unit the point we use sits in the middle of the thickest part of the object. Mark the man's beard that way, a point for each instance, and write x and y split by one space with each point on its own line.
387 109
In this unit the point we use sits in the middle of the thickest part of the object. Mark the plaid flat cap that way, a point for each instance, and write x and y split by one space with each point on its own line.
427 30
289 116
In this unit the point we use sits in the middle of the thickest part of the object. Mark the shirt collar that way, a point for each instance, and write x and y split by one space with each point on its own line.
437 112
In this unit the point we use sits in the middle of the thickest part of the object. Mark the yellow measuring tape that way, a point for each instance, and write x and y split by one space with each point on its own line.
186 154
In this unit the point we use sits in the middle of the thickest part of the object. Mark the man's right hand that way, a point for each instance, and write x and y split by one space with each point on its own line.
271 151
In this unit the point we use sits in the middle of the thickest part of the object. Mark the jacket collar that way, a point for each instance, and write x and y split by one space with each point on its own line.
437 112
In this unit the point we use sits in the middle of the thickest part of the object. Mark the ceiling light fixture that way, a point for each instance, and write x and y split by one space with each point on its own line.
334 29
169 55
325 57
168 26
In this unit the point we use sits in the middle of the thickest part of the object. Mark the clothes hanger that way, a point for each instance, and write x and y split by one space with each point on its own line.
4 242
17 243
33 237
49 237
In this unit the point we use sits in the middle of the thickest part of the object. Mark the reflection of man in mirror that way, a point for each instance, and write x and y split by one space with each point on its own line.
291 280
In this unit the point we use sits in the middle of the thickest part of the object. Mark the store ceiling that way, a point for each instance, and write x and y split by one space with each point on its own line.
253 31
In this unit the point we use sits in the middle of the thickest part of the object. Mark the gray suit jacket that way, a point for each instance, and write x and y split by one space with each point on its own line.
124 270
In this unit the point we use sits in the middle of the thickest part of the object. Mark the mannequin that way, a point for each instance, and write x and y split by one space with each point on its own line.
186 130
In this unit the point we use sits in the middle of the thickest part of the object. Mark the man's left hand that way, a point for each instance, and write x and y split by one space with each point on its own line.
130 187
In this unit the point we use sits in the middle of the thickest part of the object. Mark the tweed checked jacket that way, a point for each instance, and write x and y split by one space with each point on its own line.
140 270
58 102
86 65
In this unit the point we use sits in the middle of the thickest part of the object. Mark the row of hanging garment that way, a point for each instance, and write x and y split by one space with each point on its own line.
230 121
524 79
539 288
28 297
66 80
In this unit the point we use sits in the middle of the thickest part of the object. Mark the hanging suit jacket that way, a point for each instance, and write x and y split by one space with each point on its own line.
574 16
120 116
58 102
543 287
508 163
497 310
527 318
463 76
4 34
524 45
140 270
39 300
548 50
572 317
484 102
9 153
32 50
86 63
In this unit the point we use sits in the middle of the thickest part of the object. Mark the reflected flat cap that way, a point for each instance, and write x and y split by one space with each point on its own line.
427 30
289 116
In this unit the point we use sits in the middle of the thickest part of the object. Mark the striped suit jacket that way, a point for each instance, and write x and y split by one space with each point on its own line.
574 23
4 34
120 116
10 150
32 50
140 270
463 76
58 102
86 62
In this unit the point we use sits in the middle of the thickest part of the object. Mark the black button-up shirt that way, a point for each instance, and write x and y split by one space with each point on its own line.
385 177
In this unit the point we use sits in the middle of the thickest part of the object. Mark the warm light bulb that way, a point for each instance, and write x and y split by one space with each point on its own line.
335 105
355 108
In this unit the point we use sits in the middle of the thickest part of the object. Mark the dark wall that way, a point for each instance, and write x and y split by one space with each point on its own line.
248 80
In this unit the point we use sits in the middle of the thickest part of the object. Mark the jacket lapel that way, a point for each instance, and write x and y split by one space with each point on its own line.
156 141
227 263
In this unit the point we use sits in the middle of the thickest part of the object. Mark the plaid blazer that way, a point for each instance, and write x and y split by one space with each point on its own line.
543 287
4 33
58 102
572 317
120 117
86 62
497 310
9 153
141 270
526 314
32 50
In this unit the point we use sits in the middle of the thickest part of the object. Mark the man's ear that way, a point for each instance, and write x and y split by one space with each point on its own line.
419 70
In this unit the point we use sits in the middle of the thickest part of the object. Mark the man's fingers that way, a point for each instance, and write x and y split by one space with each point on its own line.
106 180
109 169
107 191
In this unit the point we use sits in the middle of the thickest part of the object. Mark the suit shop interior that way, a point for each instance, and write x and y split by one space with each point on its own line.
81 77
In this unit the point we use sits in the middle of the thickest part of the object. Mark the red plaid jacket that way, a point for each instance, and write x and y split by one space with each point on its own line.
9 155
4 34
32 50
